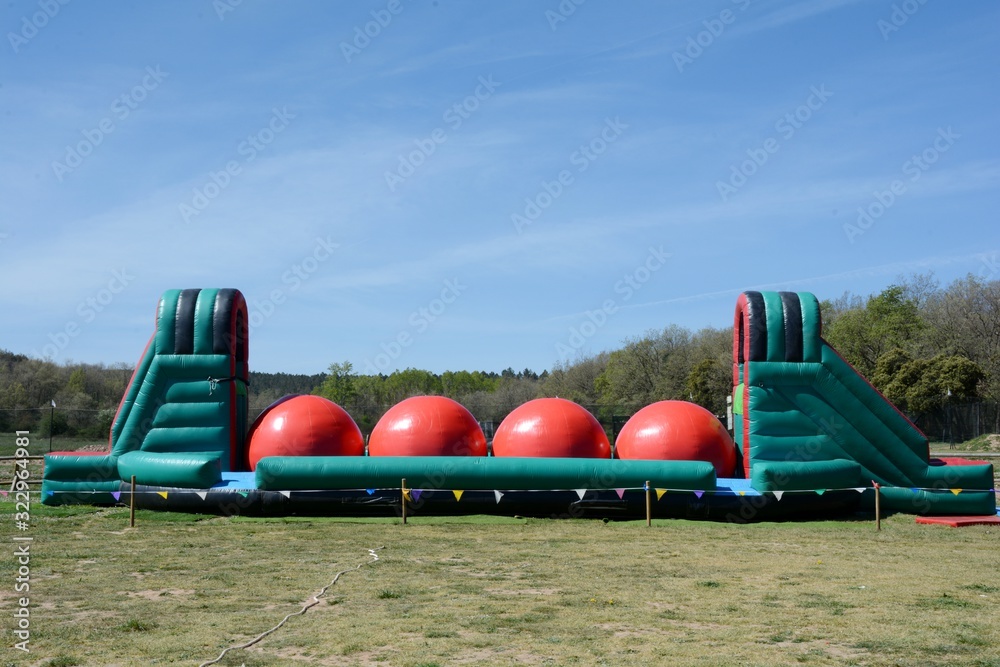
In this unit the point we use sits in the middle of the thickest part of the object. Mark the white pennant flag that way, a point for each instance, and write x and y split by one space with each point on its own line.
287 494
202 494
498 496
581 493
778 494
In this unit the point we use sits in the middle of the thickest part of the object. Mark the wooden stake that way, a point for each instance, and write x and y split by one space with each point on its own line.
131 505
878 507
649 505
402 492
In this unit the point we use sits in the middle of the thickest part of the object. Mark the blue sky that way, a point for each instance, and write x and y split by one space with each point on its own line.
458 185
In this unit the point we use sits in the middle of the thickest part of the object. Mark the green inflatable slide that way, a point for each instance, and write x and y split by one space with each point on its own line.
805 419
183 418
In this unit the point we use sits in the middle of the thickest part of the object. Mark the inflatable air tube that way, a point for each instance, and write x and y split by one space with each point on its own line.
80 467
192 470
805 475
944 502
289 473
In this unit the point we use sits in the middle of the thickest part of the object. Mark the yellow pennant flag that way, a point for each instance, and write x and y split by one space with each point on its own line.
956 491
742 493
406 494
457 494
659 493
162 494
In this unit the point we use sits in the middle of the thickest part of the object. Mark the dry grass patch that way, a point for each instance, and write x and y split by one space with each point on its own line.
492 591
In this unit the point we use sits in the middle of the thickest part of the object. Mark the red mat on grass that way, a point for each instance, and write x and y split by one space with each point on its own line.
960 521
948 461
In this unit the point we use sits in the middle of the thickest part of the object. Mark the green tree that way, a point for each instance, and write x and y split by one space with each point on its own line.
576 381
889 320
922 385
965 320
339 384
708 384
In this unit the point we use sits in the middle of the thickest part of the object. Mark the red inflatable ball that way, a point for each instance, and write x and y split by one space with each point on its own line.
427 426
551 427
304 426
677 431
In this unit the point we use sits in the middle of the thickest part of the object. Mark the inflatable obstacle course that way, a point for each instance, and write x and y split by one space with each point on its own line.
811 438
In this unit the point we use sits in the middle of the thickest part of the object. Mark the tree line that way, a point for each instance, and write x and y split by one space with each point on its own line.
925 346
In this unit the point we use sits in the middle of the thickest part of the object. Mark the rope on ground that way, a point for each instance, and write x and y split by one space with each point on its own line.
373 554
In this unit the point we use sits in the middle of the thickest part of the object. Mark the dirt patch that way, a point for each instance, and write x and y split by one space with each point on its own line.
836 651
156 595
522 591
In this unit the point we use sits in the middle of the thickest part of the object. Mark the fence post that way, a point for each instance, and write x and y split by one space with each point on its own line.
878 506
402 493
131 505
649 505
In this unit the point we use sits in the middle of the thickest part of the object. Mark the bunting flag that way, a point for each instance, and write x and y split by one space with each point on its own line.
956 491
406 494
498 496
370 492
4 493
859 489
116 495
457 494
742 493
162 494
914 489
287 494
778 494
50 493
645 487
242 493
699 494
820 492
621 493
581 493
659 493
415 494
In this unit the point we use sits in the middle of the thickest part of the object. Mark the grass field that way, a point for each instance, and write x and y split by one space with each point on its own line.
178 589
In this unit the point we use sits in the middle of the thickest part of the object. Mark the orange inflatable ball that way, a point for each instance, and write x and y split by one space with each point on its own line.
551 427
677 431
304 426
427 426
